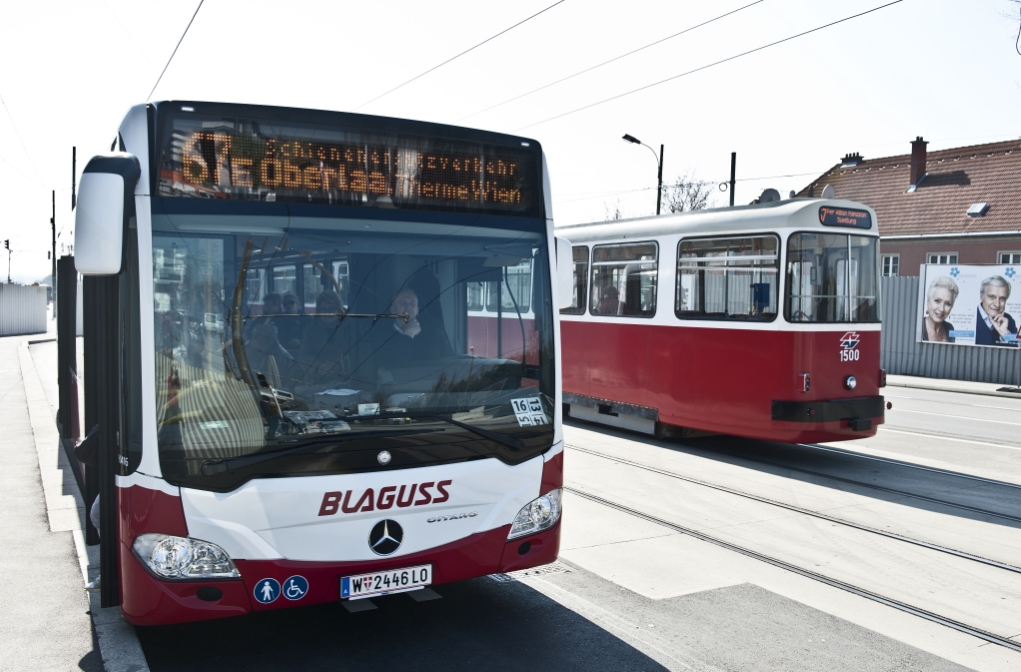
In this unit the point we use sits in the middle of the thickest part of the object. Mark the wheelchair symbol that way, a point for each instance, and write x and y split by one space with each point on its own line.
295 587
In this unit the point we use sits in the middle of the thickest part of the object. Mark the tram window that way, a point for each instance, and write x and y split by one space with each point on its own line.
580 255
476 295
312 277
832 278
728 278
515 292
285 279
624 279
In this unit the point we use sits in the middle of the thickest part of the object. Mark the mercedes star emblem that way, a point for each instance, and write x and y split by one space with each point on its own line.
383 457
385 537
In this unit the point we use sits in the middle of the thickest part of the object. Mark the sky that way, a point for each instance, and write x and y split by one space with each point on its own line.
947 70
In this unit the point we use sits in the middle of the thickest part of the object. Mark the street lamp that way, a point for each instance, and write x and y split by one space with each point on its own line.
659 192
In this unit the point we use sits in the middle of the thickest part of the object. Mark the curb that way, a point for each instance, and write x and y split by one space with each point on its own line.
942 388
117 641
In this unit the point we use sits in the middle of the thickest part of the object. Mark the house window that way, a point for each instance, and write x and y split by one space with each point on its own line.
942 257
891 265
1009 257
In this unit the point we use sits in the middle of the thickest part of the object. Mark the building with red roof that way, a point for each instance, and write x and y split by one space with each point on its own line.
952 206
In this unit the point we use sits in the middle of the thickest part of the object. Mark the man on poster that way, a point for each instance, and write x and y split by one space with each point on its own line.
993 326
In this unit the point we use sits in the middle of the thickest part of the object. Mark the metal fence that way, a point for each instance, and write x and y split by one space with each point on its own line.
903 354
22 309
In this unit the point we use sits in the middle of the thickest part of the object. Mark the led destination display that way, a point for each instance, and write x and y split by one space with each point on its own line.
246 159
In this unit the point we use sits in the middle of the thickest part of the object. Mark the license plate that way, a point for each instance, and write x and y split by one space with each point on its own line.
389 581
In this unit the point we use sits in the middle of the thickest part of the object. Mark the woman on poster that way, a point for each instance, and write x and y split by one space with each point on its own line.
939 301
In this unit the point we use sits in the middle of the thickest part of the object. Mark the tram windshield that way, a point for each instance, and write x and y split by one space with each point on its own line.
832 278
297 345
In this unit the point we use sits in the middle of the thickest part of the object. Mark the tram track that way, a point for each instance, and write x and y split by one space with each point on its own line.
910 465
776 562
872 486
823 516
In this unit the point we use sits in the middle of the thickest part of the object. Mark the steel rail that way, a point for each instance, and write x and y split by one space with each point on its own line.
804 511
836 583
901 463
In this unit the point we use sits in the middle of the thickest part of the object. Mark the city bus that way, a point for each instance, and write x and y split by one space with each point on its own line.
289 408
761 321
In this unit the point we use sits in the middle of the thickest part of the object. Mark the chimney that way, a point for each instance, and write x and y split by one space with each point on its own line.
918 158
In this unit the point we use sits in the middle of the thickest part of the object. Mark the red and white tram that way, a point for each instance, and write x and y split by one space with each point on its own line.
295 402
759 321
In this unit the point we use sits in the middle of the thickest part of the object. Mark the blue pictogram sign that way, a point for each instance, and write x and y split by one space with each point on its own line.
295 587
268 590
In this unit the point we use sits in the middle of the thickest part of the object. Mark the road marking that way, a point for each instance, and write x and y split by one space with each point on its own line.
937 401
948 438
961 417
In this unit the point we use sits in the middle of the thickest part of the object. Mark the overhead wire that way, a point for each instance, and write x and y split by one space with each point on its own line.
615 58
158 79
710 65
453 58
574 198
22 141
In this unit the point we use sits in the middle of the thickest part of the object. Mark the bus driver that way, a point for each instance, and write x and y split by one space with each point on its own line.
409 342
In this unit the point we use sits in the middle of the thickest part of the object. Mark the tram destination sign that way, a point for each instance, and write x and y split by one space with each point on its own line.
250 159
857 219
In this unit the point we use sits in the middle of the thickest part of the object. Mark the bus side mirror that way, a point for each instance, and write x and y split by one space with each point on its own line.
106 199
565 274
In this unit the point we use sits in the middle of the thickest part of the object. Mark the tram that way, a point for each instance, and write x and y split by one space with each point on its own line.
759 321
292 411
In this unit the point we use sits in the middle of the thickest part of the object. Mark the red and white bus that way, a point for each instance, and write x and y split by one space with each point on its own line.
289 405
759 321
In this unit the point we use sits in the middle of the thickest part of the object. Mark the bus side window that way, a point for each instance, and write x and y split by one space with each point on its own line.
580 255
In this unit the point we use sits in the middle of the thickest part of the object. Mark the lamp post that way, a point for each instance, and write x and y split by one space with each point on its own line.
659 191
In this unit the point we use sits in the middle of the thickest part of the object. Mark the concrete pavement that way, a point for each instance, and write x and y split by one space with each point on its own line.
44 623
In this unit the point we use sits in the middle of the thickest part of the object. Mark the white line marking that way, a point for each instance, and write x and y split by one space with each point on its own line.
949 438
960 417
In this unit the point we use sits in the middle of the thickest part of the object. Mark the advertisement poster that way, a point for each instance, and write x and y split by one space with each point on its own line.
970 305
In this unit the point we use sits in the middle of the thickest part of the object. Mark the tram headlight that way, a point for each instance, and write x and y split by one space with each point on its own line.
173 557
539 514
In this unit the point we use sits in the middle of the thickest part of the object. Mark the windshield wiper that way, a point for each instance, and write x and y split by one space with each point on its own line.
213 467
511 442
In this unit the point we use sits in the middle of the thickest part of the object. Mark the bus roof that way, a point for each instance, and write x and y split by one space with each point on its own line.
793 213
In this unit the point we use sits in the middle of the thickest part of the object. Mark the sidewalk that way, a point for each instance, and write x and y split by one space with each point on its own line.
59 626
960 386
44 624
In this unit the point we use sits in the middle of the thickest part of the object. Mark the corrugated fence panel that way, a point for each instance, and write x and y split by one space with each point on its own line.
903 354
22 310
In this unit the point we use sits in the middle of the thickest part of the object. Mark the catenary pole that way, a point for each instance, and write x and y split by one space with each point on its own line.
659 191
733 176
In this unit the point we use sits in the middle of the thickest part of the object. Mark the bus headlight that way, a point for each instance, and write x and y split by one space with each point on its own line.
173 557
539 514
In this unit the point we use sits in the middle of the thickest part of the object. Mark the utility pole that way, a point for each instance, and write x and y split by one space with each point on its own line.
53 243
7 244
659 191
74 176
733 176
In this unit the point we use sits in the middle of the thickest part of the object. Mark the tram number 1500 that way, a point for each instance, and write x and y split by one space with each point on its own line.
849 355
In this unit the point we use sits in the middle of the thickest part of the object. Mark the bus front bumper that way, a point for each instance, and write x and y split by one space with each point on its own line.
152 601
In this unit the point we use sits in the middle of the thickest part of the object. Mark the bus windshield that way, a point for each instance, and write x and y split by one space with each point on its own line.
832 278
294 345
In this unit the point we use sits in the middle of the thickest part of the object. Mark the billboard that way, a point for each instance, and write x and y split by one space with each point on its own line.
969 304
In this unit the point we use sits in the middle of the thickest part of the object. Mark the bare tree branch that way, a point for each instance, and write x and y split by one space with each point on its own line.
688 193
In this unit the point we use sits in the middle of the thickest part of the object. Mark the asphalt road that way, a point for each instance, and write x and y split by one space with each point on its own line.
639 596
